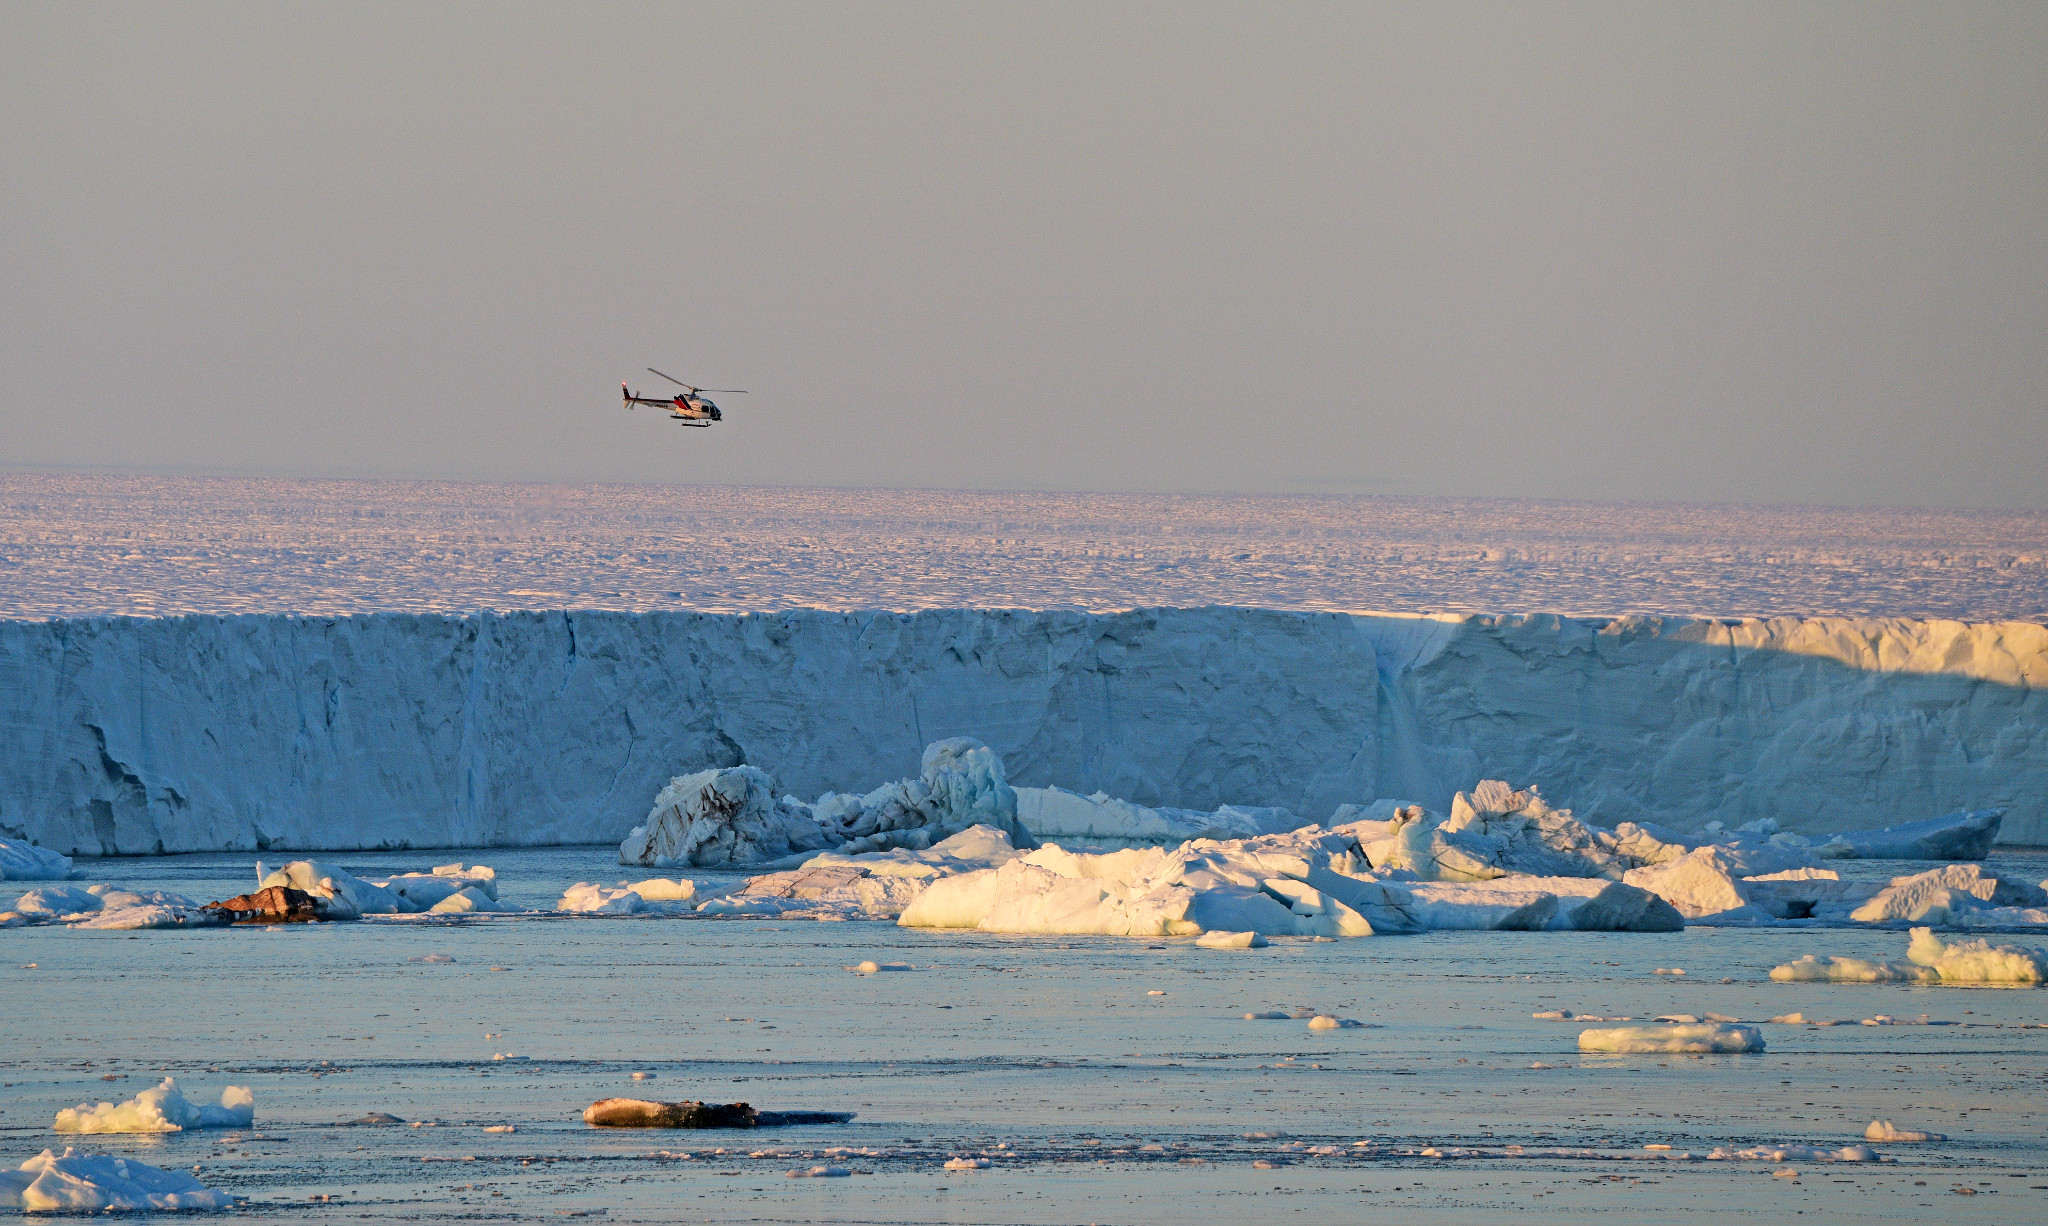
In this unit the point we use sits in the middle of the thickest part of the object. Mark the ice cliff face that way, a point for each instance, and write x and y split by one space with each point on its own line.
391 730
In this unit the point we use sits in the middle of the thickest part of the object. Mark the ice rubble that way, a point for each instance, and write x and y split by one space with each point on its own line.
71 1181
1929 959
163 1108
732 815
24 861
1681 1039
448 889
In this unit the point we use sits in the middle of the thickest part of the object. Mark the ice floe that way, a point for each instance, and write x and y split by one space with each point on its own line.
21 860
1885 1130
1681 1039
162 1108
96 1183
1929 959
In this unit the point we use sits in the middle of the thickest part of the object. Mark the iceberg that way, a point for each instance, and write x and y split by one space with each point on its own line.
1961 835
162 1108
96 1183
733 815
24 861
1699 1038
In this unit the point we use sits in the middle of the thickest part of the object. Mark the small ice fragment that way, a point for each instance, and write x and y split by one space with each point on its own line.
823 1172
1656 1146
1155 993
1785 1173
870 968
1271 1015
1670 970
1231 940
500 1128
433 958
643 1076
1324 1021
1700 1038
380 1117
1553 1015
966 1164
1263 1165
506 1055
1540 1064
1789 1019
1885 1130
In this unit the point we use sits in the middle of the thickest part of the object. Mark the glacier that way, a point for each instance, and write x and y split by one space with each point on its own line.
389 730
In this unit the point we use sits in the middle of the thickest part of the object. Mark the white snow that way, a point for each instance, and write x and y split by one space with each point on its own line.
448 731
162 1108
92 1183
1681 1039
24 861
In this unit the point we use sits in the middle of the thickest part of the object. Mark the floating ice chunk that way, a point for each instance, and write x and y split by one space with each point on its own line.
967 1164
1702 882
1324 1021
871 968
433 959
1962 835
21 860
160 1109
468 899
1941 895
844 888
500 1128
1977 961
1705 1037
327 881
57 902
132 909
1885 1130
1809 969
664 889
590 897
96 1183
1231 940
1270 1015
819 1172
1621 907
423 891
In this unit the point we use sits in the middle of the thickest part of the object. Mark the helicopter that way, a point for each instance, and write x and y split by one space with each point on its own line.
691 407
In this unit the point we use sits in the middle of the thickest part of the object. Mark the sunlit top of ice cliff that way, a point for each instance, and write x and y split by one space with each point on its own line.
148 546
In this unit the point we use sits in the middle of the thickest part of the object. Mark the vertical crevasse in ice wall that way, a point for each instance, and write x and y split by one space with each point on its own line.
139 735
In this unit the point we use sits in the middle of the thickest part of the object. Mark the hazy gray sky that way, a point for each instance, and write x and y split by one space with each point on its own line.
1792 253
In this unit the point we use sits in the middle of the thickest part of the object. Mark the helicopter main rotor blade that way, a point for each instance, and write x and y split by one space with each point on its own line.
725 391
672 379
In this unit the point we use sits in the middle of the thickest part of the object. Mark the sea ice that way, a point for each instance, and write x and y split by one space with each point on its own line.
1698 1038
162 1108
96 1183
21 860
